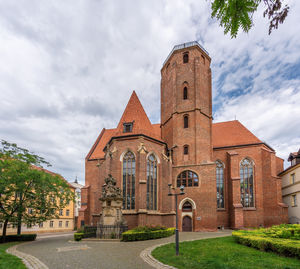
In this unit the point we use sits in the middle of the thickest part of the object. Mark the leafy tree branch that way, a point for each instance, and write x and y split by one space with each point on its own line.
238 14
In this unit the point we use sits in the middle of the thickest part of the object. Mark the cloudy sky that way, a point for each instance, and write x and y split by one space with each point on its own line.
68 68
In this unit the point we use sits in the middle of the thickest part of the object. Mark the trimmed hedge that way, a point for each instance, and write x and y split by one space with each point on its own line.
78 236
133 235
286 247
15 237
287 231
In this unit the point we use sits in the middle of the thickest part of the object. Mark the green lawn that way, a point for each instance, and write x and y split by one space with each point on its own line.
8 261
221 253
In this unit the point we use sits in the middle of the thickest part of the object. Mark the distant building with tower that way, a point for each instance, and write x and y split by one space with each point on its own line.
77 202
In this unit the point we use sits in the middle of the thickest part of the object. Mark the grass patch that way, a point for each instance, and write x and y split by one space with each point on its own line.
8 261
221 253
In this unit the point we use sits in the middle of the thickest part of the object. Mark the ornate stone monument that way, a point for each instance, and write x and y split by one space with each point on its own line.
112 222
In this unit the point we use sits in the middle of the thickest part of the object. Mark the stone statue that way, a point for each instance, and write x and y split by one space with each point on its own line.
111 218
110 190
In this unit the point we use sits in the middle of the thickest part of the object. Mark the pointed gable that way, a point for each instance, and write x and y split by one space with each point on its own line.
135 113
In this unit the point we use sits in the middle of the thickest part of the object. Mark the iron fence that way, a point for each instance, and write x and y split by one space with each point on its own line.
111 231
90 231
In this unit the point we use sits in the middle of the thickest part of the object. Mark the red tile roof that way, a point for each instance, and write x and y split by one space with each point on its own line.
224 134
232 133
134 112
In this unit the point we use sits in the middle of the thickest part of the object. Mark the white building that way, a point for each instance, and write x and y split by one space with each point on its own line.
291 187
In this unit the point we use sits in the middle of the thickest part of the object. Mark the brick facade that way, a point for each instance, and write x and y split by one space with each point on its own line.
229 143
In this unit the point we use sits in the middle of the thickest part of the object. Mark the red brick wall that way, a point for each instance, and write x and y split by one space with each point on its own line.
196 75
267 194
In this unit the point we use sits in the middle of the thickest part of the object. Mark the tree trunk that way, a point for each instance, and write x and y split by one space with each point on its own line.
20 214
4 230
19 223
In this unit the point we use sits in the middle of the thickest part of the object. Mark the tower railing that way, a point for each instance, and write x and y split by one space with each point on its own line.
185 45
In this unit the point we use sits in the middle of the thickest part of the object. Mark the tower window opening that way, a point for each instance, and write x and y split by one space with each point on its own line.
185 58
186 121
186 150
185 93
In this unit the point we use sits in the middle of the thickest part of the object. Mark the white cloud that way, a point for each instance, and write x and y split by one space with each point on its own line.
68 68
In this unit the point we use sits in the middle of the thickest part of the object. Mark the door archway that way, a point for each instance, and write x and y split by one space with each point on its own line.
187 224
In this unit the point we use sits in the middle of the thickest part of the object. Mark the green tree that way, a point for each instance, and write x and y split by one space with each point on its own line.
28 193
236 14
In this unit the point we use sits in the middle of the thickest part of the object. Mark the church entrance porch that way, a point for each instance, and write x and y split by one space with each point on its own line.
186 206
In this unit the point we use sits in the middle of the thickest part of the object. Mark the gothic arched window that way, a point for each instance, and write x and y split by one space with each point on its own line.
187 179
151 183
187 207
220 184
185 93
185 121
246 174
129 181
185 57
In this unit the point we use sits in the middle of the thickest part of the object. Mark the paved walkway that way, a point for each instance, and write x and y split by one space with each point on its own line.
61 252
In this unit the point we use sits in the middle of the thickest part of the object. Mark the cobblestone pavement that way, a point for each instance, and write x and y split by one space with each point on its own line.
62 252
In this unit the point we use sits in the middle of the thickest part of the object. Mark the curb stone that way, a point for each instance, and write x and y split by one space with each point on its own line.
30 261
148 258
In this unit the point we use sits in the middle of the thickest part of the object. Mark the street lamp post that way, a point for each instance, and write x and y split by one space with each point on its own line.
176 231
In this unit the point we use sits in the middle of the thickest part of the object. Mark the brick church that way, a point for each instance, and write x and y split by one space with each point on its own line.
229 175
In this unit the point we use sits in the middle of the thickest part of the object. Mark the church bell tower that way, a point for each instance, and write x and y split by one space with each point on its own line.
186 104
186 126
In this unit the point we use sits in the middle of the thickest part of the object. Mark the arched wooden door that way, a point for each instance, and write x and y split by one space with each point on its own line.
187 224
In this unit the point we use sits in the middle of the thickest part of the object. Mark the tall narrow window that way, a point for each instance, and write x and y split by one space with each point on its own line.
185 149
185 93
220 184
187 179
185 57
186 121
129 181
151 183
246 174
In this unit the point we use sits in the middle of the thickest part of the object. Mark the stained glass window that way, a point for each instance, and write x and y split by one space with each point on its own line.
129 181
151 183
220 184
246 174
187 179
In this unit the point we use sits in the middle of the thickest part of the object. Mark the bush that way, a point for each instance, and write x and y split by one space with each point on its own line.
287 231
134 235
149 228
78 236
15 237
286 247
